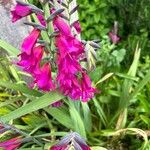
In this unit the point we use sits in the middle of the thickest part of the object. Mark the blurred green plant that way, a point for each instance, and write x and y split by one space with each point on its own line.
98 17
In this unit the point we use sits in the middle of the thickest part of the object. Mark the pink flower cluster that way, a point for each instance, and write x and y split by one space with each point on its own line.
72 79
70 50
71 141
113 34
32 53
31 57
11 144
114 38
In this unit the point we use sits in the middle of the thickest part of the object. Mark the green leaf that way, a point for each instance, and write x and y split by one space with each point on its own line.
126 76
145 119
21 88
87 119
100 112
125 96
11 101
61 116
77 120
140 86
119 55
37 104
134 66
105 78
33 120
98 148
9 48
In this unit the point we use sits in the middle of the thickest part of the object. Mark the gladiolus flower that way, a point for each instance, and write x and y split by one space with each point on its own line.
113 34
31 62
69 45
69 85
62 26
57 104
43 78
77 26
68 65
114 38
66 42
64 147
72 140
11 144
70 49
20 11
87 90
30 41
41 19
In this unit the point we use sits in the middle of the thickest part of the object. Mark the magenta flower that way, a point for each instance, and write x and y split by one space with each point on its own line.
72 140
71 79
41 19
57 104
62 26
20 11
70 50
69 45
77 26
30 41
31 62
87 90
68 65
69 85
43 78
64 147
65 41
11 144
114 38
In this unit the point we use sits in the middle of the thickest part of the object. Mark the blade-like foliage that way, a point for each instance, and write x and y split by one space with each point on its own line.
37 104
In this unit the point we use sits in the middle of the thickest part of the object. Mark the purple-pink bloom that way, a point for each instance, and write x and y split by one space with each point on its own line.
41 19
57 104
87 89
69 45
11 144
70 50
43 78
71 141
69 85
77 26
20 11
30 41
62 26
68 65
114 38
64 147
65 41
30 63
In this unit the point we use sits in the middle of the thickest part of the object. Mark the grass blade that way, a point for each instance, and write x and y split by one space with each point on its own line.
61 116
37 104
87 119
21 88
9 48
77 120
